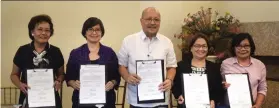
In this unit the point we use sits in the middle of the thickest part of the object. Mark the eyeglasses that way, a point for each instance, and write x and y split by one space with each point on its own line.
200 46
91 30
149 20
239 47
41 30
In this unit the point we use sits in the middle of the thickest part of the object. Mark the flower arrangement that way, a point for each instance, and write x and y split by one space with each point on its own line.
215 27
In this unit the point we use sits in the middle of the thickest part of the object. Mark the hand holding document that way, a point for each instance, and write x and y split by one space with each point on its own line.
151 73
196 92
41 92
239 93
92 84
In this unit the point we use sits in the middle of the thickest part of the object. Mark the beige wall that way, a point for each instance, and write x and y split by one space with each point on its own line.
0 39
119 18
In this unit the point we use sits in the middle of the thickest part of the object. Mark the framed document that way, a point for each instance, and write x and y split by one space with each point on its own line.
195 90
239 92
151 73
41 92
92 85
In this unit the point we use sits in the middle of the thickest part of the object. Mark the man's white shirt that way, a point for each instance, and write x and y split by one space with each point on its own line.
139 47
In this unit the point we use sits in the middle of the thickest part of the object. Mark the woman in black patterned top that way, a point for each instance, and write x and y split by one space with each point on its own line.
38 54
199 65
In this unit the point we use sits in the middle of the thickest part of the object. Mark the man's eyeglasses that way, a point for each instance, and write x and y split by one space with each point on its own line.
91 30
149 20
239 47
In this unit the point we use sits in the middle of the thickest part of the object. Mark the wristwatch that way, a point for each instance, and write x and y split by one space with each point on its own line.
114 82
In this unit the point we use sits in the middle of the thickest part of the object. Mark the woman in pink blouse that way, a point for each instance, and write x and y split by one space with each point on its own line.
243 49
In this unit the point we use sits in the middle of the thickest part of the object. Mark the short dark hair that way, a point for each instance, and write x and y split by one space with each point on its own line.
195 38
90 22
236 40
35 20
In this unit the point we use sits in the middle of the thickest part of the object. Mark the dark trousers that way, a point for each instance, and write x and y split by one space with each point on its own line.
160 106
110 99
57 99
216 106
93 106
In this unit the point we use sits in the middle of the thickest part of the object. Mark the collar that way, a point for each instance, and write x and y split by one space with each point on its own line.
86 49
33 46
143 37
235 61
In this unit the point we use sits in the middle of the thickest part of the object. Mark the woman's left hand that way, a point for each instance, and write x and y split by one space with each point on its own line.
57 85
109 85
212 105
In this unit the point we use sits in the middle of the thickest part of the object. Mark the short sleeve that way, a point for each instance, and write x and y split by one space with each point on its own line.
18 58
171 57
123 54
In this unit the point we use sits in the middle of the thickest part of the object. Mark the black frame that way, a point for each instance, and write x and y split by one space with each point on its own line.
183 93
46 69
163 76
94 104
250 90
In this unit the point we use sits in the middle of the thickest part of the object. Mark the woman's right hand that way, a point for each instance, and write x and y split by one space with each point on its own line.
226 85
180 99
75 84
23 87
